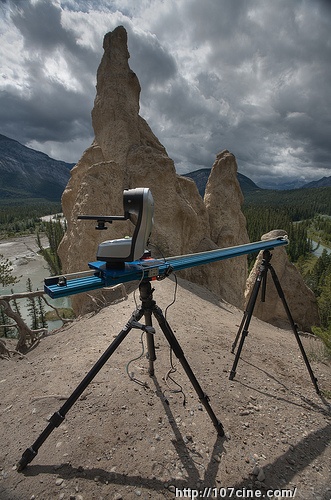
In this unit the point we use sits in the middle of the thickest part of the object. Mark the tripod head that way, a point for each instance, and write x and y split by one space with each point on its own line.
138 207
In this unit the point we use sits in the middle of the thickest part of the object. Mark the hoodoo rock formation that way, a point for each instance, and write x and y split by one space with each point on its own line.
126 154
300 299
223 200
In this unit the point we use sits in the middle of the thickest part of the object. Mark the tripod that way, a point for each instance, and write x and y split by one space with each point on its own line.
244 326
147 309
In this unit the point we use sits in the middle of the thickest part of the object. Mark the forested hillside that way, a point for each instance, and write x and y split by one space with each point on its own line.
21 218
299 204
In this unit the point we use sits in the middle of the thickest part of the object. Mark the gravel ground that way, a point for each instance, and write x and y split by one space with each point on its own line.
152 437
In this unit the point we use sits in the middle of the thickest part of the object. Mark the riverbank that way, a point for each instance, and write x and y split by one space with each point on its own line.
318 248
23 253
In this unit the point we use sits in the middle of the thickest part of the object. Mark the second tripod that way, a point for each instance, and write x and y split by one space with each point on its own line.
261 279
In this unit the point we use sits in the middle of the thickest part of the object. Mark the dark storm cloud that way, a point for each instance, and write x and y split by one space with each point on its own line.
43 34
40 26
42 119
152 63
273 71
46 110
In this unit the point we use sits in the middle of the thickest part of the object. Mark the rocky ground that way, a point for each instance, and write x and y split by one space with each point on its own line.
126 439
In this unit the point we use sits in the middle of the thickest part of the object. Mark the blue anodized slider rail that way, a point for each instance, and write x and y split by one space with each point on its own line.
100 276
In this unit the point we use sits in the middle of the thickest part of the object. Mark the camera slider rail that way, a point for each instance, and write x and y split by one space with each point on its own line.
102 274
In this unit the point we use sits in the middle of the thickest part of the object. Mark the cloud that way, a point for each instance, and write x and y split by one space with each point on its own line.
51 100
252 77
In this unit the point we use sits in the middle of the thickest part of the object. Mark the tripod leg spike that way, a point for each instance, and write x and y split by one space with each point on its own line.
26 458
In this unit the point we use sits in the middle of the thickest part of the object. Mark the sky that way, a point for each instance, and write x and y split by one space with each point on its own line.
250 76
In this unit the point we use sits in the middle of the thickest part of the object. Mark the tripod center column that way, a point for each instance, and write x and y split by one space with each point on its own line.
147 304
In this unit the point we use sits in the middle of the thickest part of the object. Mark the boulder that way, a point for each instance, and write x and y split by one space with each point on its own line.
300 299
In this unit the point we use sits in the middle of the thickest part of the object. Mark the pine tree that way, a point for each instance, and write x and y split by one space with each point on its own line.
32 307
42 313
324 302
6 276
16 305
55 233
5 330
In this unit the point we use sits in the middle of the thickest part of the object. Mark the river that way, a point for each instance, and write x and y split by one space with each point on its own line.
319 249
22 251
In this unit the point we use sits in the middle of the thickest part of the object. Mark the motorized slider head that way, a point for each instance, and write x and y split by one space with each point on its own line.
139 203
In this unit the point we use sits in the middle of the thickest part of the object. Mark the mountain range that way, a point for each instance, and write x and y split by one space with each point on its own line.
324 182
249 187
29 174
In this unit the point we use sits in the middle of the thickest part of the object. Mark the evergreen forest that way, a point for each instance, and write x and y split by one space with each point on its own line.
17 219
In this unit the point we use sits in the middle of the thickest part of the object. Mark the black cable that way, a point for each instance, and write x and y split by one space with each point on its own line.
131 376
174 299
173 369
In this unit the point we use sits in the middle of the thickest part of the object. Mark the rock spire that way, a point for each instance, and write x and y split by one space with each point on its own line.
126 154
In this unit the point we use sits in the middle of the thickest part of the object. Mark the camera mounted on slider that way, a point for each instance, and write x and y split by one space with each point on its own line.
138 207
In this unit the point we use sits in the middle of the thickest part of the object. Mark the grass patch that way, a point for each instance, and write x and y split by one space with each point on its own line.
325 336
326 393
317 349
65 313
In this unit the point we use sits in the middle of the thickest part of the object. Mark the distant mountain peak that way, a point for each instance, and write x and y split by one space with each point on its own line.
200 177
26 173
324 182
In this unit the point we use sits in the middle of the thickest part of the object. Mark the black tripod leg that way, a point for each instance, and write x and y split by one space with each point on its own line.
173 342
293 326
150 343
234 345
243 329
251 303
146 296
59 416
